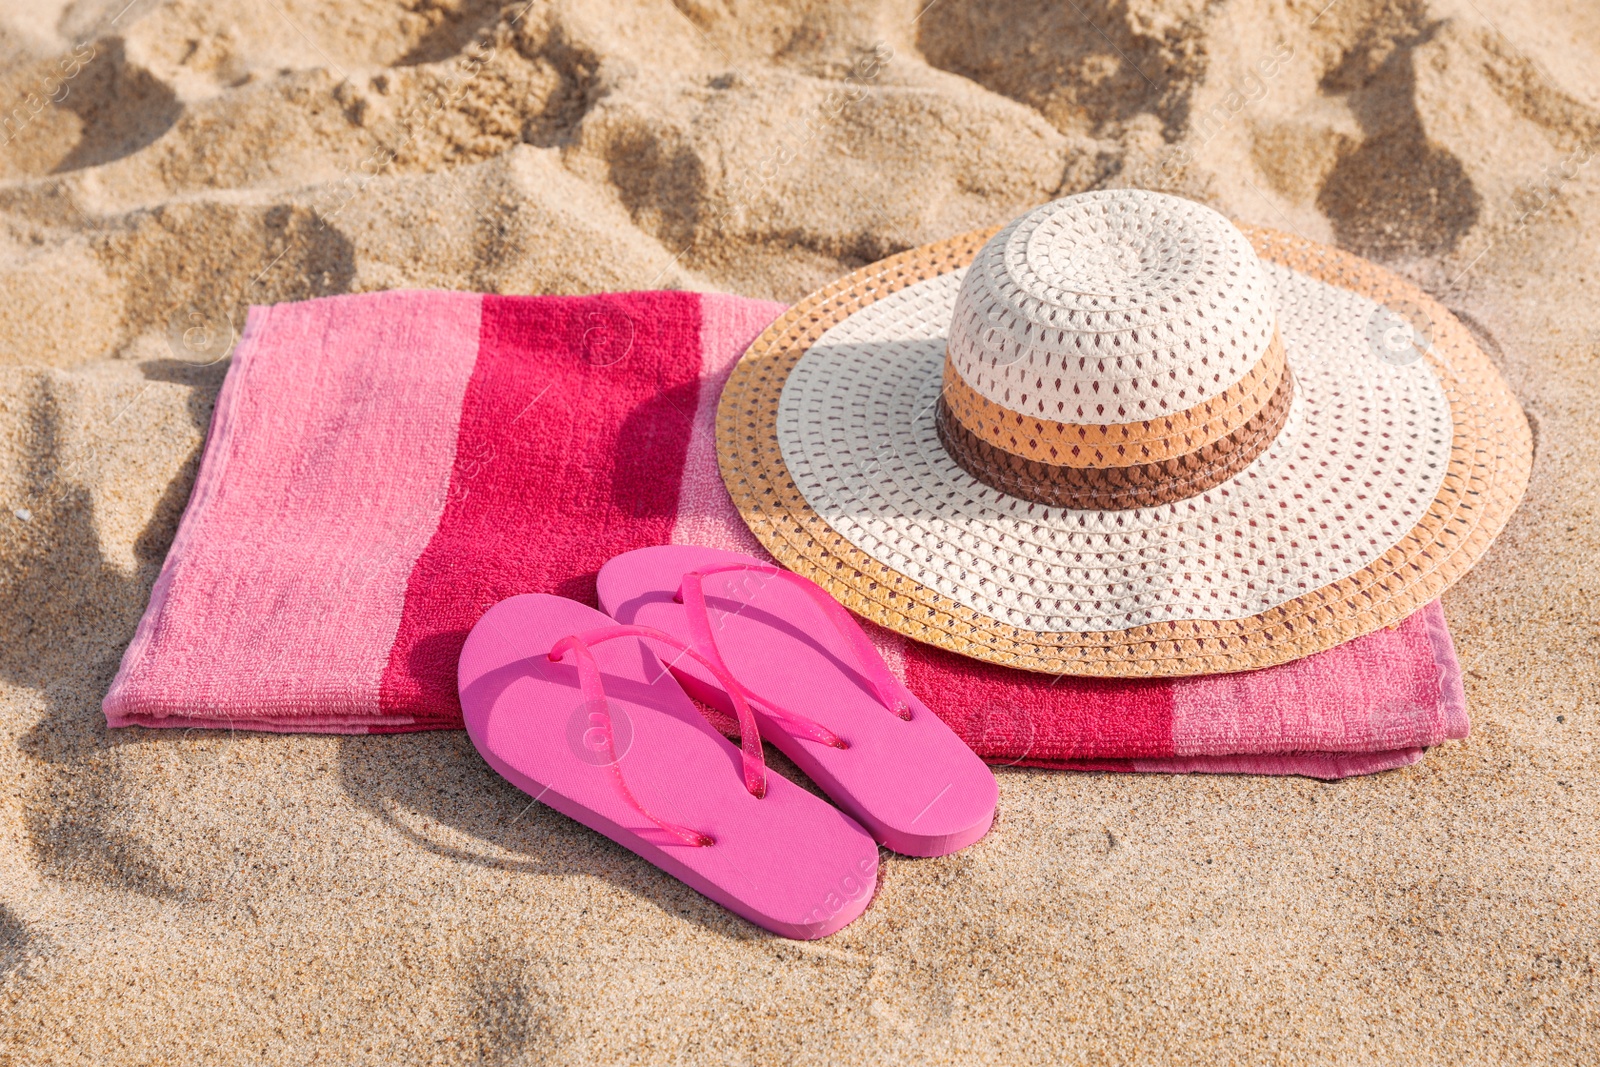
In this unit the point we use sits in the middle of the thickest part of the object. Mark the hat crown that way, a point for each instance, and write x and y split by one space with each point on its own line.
1110 307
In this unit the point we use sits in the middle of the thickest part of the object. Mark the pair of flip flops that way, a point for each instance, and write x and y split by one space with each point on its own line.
588 713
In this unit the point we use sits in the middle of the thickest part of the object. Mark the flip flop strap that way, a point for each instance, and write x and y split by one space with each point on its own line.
691 591
592 685
699 614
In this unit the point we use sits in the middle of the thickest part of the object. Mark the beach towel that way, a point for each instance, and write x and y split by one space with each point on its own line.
382 468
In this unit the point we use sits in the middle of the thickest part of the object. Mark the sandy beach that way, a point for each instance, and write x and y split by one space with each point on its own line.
205 896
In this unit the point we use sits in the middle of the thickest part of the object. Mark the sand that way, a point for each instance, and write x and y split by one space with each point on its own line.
212 897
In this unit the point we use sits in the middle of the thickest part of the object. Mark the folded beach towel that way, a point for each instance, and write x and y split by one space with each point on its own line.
383 468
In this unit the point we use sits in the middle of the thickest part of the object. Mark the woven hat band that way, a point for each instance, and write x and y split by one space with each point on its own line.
1137 485
1171 435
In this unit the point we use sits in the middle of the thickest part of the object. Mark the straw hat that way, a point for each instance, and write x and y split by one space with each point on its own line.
1122 436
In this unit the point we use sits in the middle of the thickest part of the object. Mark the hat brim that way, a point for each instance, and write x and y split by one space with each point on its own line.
1478 486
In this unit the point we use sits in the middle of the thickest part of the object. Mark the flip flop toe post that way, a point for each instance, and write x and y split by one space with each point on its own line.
579 713
818 687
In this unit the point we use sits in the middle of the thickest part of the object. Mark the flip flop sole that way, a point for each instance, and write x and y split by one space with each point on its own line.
915 785
787 862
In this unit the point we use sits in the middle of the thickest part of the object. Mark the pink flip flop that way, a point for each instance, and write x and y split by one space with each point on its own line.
821 692
574 710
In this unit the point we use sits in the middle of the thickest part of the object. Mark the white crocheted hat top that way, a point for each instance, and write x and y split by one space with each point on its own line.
1111 307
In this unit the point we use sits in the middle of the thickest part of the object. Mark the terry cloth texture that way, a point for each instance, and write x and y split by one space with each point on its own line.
383 468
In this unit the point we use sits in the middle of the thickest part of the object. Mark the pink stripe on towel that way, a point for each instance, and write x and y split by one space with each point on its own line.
1327 765
1370 704
706 515
572 444
1375 693
323 475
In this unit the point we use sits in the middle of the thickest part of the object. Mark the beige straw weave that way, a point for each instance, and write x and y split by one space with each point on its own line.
1487 473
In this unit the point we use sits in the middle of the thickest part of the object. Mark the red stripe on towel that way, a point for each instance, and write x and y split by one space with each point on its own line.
1011 716
596 396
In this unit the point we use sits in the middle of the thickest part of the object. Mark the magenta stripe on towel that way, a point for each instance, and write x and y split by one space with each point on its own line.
337 415
574 432
1009 716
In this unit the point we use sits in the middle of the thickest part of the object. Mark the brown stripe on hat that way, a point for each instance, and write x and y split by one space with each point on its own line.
1123 444
1139 485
